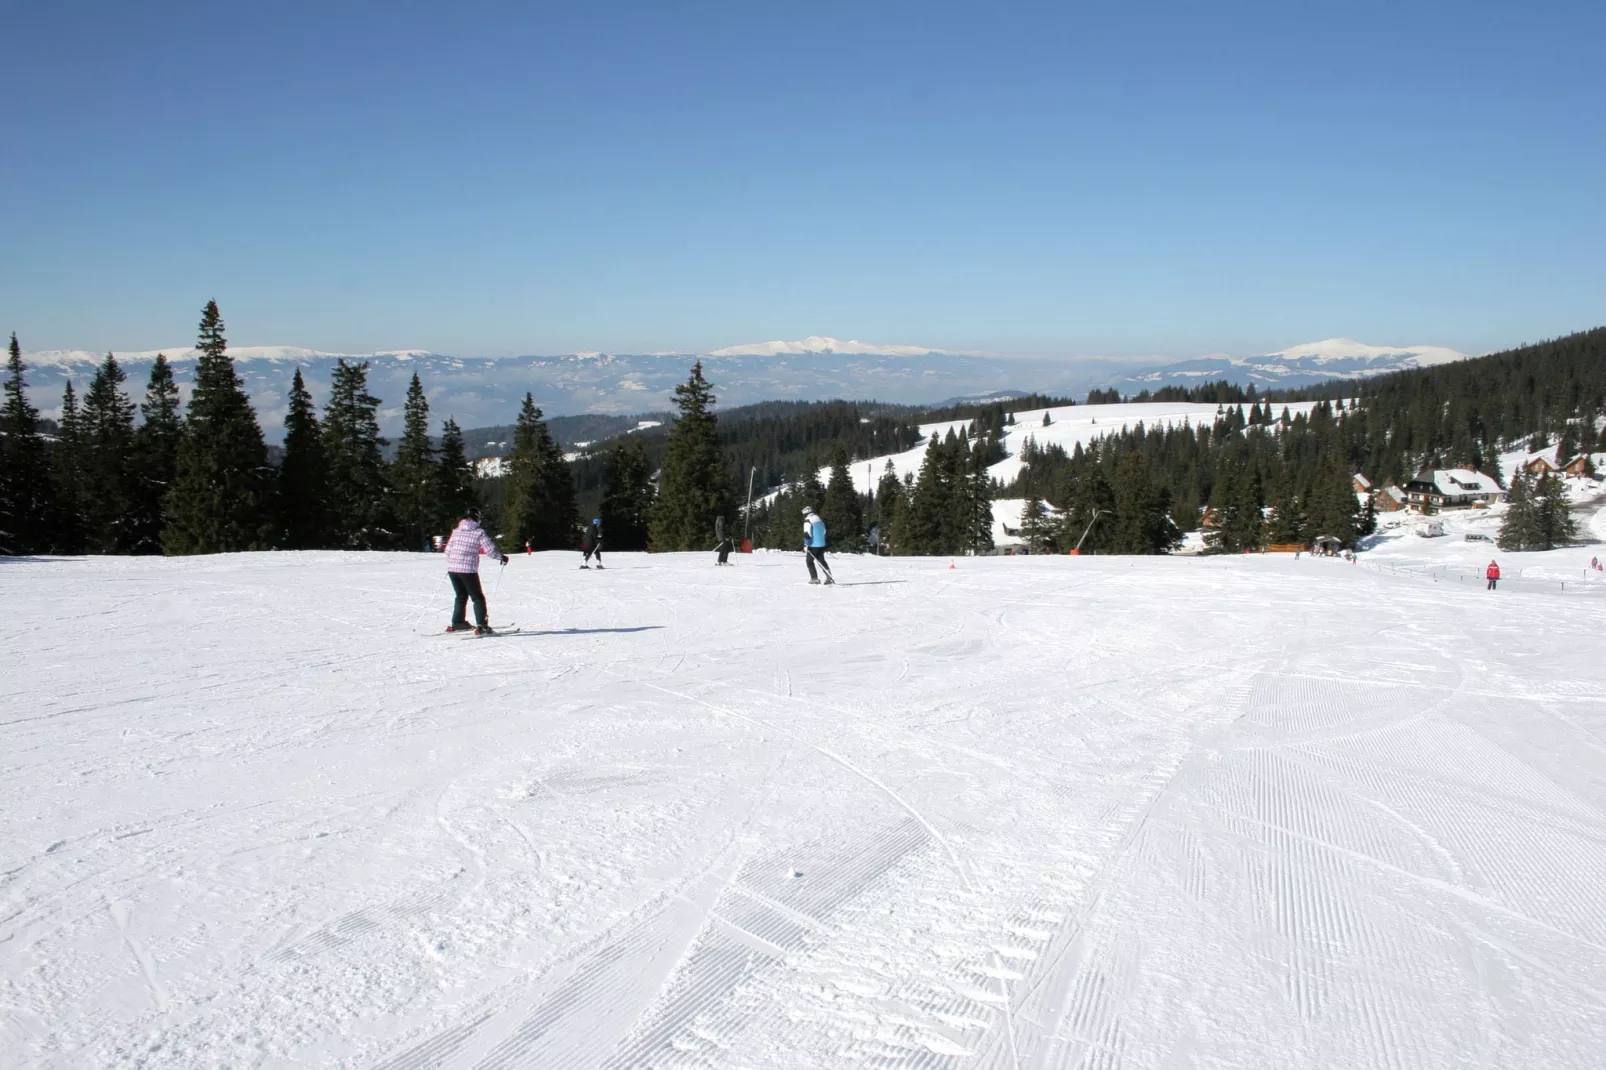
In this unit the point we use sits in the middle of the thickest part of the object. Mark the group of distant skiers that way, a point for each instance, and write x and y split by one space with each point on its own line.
468 542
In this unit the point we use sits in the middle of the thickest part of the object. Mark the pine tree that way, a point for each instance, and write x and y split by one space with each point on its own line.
1521 529
414 473
891 503
221 497
27 491
976 533
540 502
1142 523
455 478
1087 522
925 530
694 485
1287 525
1036 527
626 510
361 503
1553 513
303 477
68 467
156 446
842 511
110 482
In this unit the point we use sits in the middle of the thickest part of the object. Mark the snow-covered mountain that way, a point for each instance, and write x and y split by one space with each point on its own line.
815 343
1300 365
485 391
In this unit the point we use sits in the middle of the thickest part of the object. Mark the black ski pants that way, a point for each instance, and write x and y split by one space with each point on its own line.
1492 581
724 549
589 550
811 554
466 585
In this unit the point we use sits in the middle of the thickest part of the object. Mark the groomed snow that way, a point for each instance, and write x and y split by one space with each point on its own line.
1048 811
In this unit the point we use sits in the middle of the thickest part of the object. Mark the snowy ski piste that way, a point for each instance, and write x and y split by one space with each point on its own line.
1022 812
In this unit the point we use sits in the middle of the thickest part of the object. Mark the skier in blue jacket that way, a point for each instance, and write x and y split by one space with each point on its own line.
814 545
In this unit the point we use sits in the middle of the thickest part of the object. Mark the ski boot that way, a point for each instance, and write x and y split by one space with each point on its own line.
450 628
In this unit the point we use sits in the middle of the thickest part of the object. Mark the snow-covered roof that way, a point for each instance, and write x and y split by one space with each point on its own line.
1362 482
1456 481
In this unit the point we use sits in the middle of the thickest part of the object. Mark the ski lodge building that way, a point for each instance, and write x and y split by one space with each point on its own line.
1452 488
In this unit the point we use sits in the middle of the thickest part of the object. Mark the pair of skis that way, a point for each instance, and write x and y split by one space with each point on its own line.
469 633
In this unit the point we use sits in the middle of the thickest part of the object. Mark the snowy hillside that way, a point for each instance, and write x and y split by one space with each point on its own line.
1068 426
1028 812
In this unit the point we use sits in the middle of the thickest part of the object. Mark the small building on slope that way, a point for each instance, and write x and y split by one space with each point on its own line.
1452 488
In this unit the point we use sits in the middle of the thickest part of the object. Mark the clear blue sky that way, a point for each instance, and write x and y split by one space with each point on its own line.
1119 178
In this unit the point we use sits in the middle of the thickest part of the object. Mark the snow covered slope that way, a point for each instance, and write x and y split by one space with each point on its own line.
1028 812
1068 426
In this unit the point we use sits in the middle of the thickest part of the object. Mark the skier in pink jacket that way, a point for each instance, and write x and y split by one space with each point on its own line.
463 552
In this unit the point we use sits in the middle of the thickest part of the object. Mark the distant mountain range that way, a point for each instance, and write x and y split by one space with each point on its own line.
486 391
1302 365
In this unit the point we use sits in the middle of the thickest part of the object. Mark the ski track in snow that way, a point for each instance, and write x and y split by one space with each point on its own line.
1030 812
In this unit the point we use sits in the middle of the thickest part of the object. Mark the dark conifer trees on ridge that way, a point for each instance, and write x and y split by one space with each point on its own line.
27 491
694 484
221 498
626 511
110 484
540 506
361 516
414 474
303 475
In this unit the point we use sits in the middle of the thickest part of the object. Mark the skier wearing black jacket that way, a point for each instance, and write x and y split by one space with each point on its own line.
591 543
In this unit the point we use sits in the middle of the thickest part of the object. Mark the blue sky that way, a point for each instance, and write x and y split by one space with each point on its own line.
1062 179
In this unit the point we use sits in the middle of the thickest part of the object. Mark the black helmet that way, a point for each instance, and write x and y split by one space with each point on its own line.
472 513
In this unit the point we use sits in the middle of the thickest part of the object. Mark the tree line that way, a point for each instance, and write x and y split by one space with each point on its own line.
198 479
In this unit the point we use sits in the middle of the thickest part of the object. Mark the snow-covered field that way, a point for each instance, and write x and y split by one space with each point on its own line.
1048 811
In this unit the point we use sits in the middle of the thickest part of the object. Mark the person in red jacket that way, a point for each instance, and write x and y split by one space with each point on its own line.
1492 573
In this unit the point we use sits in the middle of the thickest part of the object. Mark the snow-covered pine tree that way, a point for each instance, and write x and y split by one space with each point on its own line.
221 497
540 503
694 484
110 482
156 446
414 474
67 465
626 509
27 491
303 500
